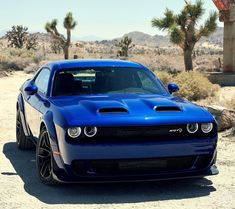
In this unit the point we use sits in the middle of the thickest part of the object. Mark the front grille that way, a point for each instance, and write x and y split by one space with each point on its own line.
139 166
142 133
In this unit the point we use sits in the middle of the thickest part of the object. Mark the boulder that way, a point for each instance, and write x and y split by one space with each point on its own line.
225 117
229 133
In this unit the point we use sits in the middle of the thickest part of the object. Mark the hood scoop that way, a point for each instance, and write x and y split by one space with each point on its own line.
167 109
112 110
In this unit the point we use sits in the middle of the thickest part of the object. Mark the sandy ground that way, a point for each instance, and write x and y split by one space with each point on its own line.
20 187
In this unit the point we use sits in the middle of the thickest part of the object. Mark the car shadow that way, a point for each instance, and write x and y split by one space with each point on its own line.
24 165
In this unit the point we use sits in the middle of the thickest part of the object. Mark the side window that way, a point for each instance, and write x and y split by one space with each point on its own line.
42 80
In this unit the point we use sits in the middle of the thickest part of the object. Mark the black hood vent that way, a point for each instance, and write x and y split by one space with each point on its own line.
167 109
112 110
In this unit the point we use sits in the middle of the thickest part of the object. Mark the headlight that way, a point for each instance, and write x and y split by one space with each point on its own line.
207 127
90 131
192 128
74 132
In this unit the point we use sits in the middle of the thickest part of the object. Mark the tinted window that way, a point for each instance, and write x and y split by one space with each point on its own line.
146 81
42 80
106 80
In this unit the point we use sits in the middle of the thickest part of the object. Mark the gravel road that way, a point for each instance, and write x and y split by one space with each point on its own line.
20 187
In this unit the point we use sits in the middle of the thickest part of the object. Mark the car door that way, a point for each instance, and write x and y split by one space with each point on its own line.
34 102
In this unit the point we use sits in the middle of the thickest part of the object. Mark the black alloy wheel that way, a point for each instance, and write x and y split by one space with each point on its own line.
44 159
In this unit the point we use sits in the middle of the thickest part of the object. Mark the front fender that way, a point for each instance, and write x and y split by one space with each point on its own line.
21 108
48 121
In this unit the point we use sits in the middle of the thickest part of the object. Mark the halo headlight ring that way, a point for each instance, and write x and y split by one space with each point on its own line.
206 127
192 128
74 132
90 131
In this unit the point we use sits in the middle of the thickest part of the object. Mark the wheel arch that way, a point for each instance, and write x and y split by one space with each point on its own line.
20 103
48 123
42 125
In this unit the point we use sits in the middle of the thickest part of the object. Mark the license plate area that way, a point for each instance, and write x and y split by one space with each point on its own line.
147 164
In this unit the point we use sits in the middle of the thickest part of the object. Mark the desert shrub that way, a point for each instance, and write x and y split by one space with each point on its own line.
10 66
194 86
165 77
38 57
20 57
31 68
22 53
3 57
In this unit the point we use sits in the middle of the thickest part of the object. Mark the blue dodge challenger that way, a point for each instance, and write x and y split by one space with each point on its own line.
112 120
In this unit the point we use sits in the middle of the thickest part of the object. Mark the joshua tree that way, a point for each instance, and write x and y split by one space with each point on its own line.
17 36
125 45
69 24
182 28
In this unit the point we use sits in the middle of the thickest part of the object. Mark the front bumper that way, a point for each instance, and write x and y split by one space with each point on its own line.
86 154
62 177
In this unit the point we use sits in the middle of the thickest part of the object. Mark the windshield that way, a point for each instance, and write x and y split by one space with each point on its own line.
106 80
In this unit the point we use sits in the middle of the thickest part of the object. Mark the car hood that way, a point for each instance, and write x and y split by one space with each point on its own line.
110 110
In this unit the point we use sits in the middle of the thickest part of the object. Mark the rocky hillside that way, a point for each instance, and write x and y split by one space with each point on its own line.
144 39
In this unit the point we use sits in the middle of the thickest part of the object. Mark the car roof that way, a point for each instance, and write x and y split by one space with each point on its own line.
68 64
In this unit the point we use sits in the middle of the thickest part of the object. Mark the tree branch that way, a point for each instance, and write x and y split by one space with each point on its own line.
209 27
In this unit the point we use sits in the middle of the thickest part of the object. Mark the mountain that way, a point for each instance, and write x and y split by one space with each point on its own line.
216 38
89 38
144 39
140 38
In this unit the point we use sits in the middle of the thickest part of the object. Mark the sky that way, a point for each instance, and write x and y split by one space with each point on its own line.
106 19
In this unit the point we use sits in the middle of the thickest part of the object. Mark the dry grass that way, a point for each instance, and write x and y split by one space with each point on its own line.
194 86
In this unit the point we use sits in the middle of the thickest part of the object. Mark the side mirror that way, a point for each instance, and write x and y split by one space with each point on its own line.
31 89
173 88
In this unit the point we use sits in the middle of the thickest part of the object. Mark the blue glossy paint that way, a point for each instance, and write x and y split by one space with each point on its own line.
59 113
31 89
173 88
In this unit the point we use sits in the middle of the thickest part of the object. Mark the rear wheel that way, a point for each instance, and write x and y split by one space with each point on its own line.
23 142
44 159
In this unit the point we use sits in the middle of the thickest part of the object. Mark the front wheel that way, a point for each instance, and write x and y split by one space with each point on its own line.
44 159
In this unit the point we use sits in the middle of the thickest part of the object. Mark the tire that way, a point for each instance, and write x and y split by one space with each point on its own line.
23 143
44 159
